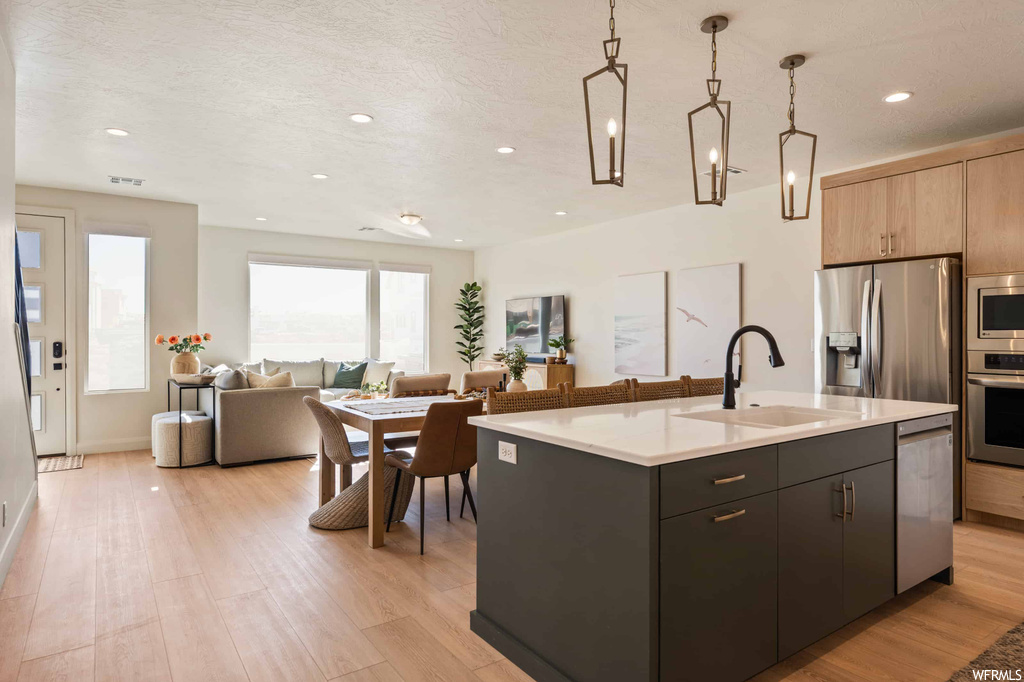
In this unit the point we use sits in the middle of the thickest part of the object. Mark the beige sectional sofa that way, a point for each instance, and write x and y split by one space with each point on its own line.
254 424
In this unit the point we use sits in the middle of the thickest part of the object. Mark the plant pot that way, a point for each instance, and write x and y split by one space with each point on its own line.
549 360
516 386
560 354
185 363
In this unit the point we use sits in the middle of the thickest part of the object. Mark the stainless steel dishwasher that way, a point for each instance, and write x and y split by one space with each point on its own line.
924 500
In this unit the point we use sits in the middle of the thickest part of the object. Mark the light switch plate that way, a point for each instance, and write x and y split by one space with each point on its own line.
507 452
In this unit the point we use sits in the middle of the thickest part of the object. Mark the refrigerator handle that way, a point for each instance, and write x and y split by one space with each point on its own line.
865 351
876 333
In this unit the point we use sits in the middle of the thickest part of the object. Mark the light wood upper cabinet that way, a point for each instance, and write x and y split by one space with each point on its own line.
925 212
853 222
995 214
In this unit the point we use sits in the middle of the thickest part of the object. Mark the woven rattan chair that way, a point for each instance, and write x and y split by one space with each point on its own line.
661 390
524 401
447 446
712 386
350 508
587 396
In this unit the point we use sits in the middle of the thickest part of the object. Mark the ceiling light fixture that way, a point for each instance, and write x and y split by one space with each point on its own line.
117 132
899 97
410 218
723 109
788 179
559 212
319 176
361 118
614 128
459 240
262 220
505 150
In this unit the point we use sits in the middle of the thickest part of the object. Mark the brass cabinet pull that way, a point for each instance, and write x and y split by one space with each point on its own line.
853 491
731 515
842 489
731 479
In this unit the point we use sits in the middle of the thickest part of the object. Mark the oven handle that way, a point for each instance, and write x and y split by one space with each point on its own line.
1003 382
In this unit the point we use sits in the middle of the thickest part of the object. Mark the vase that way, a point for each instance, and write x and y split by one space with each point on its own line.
560 354
516 386
185 363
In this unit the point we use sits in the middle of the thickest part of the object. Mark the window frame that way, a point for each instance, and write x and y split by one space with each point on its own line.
308 262
118 231
417 269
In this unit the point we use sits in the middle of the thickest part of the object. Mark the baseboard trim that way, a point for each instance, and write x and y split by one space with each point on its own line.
514 650
113 445
14 539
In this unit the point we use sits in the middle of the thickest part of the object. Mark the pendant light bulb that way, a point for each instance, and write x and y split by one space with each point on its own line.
713 155
791 177
612 127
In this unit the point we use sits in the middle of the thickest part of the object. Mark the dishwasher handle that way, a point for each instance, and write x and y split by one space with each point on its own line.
940 432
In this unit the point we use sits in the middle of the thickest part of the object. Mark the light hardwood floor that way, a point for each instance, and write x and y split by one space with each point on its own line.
129 572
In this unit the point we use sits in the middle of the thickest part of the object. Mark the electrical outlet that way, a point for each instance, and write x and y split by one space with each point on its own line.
507 452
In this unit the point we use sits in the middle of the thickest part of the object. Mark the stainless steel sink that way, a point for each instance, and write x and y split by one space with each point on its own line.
771 417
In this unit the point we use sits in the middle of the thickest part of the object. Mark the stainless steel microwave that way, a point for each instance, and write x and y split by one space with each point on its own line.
995 313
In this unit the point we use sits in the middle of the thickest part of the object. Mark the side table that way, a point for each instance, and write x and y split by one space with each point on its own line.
196 388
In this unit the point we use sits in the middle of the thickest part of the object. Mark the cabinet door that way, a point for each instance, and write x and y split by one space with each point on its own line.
995 214
536 377
810 563
718 591
854 222
869 539
925 212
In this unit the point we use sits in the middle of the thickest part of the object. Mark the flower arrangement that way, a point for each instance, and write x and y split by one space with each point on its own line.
515 360
186 343
379 387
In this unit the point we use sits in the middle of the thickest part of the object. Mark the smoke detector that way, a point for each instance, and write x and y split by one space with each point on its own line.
121 180
732 171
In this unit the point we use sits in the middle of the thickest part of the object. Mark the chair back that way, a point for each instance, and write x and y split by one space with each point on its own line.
481 379
661 390
711 386
421 385
332 430
447 443
524 401
587 396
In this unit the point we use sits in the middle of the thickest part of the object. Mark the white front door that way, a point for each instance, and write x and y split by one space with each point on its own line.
41 243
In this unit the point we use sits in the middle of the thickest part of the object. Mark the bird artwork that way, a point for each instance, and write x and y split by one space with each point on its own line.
689 317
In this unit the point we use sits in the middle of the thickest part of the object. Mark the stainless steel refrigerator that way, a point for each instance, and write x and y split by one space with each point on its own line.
892 330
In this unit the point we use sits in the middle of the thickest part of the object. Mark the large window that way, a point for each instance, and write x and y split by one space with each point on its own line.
118 358
403 317
307 310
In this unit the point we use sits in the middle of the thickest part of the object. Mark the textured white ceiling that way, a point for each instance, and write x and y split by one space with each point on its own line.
233 104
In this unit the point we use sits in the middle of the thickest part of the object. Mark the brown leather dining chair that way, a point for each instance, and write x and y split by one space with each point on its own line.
447 446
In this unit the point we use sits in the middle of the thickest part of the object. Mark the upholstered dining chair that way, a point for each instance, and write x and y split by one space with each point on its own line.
524 401
420 385
661 390
482 380
587 396
447 446
350 507
711 386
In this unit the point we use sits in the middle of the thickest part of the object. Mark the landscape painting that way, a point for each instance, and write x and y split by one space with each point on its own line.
706 312
640 328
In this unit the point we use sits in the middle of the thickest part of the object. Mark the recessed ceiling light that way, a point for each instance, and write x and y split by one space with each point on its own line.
898 97
505 150
361 118
319 176
559 212
459 240
117 132
262 220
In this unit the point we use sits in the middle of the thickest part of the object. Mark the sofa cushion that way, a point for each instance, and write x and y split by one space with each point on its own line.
331 368
250 367
231 380
350 377
329 394
306 373
277 380
377 371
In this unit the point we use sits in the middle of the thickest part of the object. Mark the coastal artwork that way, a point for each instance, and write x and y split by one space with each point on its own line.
640 324
706 313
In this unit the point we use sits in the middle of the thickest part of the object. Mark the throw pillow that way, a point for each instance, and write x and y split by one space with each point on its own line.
377 371
231 380
275 380
350 377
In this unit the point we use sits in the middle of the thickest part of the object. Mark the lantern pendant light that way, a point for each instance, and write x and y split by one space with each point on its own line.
787 173
616 128
718 156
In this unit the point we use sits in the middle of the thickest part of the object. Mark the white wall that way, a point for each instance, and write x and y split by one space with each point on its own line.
121 421
224 285
777 258
17 464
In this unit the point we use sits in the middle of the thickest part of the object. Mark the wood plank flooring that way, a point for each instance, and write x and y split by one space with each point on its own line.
129 572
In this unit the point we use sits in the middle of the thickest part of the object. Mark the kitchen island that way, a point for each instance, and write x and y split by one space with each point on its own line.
675 540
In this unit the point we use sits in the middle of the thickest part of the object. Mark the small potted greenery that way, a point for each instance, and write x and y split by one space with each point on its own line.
378 389
515 360
561 345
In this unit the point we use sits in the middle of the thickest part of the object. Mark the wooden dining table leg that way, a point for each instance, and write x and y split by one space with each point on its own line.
376 522
326 493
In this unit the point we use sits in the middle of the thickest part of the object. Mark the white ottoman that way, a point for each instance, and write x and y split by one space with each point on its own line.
166 415
196 435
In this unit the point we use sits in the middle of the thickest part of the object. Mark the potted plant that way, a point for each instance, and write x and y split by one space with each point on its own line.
471 311
561 345
515 360
378 389
185 348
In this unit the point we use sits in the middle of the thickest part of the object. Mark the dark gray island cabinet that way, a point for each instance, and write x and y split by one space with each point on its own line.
713 568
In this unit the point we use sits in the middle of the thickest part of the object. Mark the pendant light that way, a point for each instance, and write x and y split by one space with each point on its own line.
718 112
616 129
787 166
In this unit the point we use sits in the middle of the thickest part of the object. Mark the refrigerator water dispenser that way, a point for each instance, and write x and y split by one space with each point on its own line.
843 359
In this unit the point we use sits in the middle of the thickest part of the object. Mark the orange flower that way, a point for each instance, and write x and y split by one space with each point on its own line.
159 339
196 339
207 337
172 339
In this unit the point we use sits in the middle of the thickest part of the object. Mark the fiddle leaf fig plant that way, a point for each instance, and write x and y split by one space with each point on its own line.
471 312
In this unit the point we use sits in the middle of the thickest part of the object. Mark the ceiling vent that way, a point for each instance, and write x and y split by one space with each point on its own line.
120 180
732 171
369 229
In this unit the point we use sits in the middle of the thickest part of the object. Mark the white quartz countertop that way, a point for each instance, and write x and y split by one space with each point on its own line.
658 432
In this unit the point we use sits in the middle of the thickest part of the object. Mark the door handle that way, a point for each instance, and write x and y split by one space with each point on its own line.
731 515
731 479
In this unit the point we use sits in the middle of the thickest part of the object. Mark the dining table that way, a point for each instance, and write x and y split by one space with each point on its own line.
378 418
